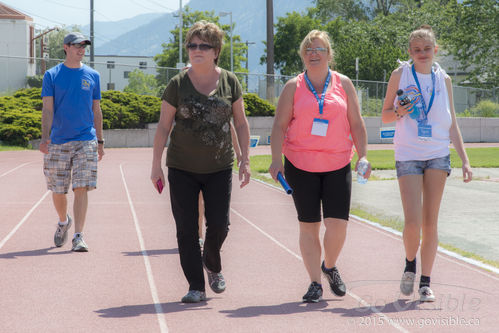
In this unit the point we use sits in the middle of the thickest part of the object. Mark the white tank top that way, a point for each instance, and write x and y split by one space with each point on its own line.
407 144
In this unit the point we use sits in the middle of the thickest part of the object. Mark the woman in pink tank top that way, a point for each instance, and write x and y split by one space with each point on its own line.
317 118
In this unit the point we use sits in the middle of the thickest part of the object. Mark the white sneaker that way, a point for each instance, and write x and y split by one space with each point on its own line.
79 245
426 294
407 283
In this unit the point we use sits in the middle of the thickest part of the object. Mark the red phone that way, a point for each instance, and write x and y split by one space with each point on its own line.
159 185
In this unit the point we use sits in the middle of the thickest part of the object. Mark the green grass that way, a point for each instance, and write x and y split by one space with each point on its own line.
385 160
9 148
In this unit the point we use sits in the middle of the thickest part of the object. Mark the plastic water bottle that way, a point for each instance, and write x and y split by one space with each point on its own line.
405 99
361 171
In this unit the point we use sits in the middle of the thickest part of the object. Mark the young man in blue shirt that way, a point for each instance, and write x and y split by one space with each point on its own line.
71 136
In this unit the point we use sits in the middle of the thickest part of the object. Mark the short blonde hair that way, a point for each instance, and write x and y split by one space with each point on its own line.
313 35
208 32
424 32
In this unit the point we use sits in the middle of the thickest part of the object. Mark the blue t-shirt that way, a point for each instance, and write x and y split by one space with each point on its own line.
73 90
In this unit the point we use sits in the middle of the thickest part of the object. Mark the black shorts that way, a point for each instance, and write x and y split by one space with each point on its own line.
332 188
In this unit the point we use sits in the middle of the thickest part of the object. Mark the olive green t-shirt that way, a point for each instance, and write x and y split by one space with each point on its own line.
201 141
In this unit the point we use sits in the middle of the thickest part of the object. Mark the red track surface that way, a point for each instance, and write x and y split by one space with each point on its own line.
131 280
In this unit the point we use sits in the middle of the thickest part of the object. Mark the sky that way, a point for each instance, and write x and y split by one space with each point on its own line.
50 13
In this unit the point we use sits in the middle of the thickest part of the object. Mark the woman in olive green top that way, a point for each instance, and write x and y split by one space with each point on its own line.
202 100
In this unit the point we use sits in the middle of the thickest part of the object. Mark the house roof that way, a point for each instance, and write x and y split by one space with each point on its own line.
8 13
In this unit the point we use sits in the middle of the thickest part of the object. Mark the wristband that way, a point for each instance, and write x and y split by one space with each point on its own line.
101 142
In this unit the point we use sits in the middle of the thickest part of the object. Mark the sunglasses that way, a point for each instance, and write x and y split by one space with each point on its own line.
80 46
201 47
310 50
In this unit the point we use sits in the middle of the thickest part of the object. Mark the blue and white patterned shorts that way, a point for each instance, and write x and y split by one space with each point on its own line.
74 159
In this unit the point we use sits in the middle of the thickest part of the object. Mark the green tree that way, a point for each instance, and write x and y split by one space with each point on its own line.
471 35
169 56
347 9
141 84
290 31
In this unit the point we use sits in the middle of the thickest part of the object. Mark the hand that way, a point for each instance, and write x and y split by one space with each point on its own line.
157 173
100 150
368 171
467 173
44 146
402 110
244 173
275 168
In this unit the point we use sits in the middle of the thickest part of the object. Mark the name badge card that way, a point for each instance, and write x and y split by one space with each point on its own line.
319 127
424 132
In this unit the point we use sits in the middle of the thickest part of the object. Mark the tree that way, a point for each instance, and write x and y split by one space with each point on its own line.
472 38
141 84
290 31
169 56
346 9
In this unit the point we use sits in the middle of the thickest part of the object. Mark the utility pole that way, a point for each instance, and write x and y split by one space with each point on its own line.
92 33
270 50
247 61
43 48
180 63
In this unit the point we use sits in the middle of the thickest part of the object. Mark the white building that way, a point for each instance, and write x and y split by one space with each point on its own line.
114 69
16 49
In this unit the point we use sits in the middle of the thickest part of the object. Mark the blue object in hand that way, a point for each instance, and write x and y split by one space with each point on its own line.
284 183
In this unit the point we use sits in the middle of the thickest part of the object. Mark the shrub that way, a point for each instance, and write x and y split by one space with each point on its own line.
35 81
255 106
486 108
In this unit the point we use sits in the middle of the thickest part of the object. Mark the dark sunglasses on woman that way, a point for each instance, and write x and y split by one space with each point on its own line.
202 47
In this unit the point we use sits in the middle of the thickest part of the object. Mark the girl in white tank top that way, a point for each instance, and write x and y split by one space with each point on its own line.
423 131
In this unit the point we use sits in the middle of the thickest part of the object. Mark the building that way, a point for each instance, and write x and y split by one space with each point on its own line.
114 69
16 49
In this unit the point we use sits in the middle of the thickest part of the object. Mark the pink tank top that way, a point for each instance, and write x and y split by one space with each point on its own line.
319 153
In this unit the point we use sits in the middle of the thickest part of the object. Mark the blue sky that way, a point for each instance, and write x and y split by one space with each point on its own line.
50 13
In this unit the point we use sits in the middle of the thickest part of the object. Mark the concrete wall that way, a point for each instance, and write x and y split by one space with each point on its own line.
472 129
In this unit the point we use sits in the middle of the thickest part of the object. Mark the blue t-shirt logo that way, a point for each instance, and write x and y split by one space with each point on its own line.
85 85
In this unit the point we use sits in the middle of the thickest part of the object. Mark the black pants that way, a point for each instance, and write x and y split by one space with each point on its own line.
184 195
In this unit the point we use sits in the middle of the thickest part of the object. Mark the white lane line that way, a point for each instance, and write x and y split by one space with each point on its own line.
12 170
354 296
455 257
152 285
13 231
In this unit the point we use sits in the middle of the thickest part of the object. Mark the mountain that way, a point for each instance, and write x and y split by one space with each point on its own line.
248 16
107 31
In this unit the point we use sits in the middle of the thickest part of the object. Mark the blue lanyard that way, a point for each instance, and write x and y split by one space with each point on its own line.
311 87
425 110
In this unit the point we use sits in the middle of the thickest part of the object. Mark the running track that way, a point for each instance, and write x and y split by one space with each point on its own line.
131 280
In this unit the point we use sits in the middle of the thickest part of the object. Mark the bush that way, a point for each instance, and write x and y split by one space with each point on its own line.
255 106
485 108
35 81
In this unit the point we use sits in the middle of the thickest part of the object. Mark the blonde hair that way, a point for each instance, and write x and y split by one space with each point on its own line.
313 35
424 32
208 32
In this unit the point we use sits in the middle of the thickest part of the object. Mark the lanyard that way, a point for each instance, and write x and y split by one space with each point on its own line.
311 87
425 110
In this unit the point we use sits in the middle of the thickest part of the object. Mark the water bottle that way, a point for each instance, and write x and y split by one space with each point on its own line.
405 99
361 171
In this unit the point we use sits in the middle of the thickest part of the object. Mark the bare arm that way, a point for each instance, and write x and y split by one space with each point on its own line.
357 126
243 136
283 115
388 114
235 143
455 136
98 125
47 119
162 132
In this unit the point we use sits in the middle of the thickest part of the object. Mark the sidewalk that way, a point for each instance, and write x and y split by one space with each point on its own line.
468 219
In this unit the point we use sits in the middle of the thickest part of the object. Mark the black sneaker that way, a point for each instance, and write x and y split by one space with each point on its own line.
335 282
314 293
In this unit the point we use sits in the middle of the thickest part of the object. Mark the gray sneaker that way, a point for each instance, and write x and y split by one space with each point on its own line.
407 283
79 245
61 233
216 281
426 294
194 296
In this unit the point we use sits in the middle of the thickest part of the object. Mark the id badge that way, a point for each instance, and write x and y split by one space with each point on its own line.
424 132
319 127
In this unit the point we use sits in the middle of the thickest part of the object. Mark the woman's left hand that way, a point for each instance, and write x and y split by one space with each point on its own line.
244 173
